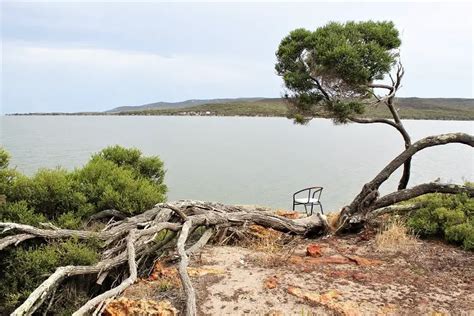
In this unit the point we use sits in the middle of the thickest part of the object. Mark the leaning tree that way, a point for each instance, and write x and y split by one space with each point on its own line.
338 70
335 67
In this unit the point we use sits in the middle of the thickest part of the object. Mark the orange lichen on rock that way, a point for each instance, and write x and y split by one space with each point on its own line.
163 272
271 282
308 261
314 250
361 261
327 300
128 307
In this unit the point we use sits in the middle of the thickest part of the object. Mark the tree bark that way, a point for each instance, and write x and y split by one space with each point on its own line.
368 199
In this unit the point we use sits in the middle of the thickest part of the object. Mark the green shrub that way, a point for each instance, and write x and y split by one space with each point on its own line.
20 212
53 192
116 177
150 168
447 216
4 158
25 268
109 186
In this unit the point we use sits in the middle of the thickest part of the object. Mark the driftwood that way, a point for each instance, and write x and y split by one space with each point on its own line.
132 239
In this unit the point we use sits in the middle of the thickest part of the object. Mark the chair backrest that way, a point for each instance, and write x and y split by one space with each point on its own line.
315 191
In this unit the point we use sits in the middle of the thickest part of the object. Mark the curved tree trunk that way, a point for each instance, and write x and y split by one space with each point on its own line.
368 199
406 138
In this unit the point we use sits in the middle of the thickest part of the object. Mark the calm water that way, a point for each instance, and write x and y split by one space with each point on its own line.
241 160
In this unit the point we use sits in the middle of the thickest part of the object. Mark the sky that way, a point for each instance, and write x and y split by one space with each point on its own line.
70 56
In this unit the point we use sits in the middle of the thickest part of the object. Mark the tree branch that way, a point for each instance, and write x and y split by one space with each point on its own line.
383 175
119 289
183 270
418 190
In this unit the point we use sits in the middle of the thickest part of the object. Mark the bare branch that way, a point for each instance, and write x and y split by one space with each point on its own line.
183 270
14 240
395 209
108 213
421 189
383 175
91 304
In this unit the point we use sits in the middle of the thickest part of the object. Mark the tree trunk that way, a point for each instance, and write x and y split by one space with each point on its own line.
368 199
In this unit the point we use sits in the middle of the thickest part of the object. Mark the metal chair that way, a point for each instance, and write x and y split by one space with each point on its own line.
309 200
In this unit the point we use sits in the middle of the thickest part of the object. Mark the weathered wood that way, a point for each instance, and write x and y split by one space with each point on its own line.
418 190
183 269
91 304
371 188
14 240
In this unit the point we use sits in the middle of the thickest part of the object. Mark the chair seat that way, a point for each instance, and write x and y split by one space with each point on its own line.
307 201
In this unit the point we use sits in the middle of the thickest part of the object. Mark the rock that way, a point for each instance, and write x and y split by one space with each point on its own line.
127 307
308 261
364 261
271 282
328 300
314 250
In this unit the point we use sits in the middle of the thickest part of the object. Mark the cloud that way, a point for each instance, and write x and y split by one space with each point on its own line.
96 78
177 67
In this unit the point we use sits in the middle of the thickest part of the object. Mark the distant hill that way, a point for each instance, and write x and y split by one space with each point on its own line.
176 105
409 108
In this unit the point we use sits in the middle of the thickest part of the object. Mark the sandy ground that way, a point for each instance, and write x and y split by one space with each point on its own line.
346 276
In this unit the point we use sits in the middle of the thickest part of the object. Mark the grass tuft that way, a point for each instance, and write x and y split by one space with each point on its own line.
396 237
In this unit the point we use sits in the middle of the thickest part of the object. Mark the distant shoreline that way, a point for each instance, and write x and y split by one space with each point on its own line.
224 115
409 108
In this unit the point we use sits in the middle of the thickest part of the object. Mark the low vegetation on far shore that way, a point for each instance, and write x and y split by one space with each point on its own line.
410 108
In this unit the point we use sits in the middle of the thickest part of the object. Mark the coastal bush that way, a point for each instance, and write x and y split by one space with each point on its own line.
26 267
115 178
108 185
450 217
150 168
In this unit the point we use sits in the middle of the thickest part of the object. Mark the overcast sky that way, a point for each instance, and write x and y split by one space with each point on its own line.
89 56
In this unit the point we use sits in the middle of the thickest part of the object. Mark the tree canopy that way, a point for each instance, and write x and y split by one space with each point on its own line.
336 65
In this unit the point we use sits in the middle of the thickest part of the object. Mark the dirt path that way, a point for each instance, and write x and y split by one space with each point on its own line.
342 276
349 278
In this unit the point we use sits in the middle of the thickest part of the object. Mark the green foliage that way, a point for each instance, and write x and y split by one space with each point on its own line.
447 216
52 192
334 65
110 186
24 268
4 158
131 158
116 177
20 212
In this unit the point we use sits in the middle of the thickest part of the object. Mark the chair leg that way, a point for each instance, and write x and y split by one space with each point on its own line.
321 207
293 206
312 208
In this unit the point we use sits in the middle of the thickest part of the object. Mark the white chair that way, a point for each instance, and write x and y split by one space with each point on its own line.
309 199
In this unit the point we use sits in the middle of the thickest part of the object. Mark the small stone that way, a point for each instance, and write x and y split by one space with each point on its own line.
314 250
